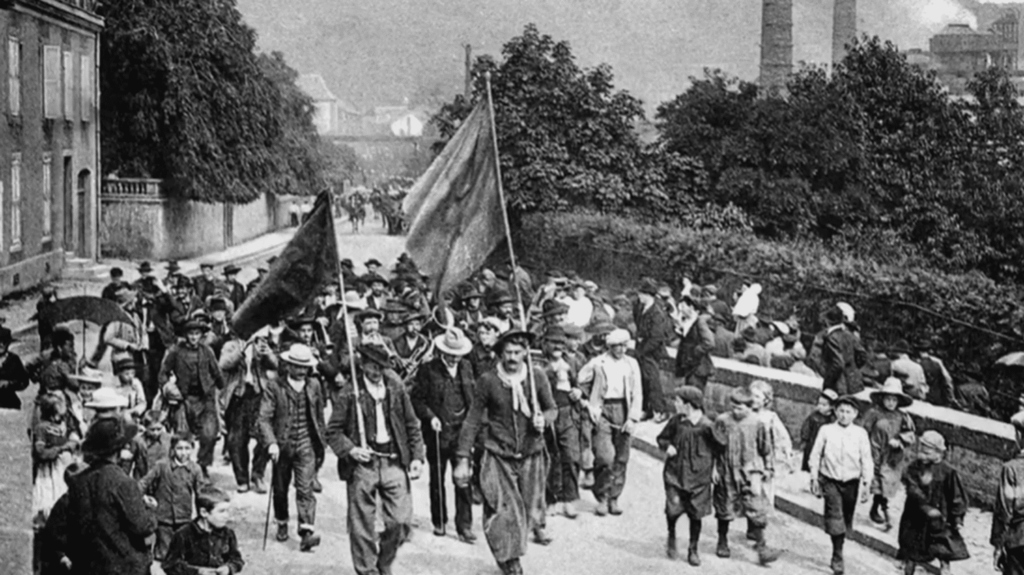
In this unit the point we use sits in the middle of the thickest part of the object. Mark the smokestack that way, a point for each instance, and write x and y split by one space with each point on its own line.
776 43
844 28
468 90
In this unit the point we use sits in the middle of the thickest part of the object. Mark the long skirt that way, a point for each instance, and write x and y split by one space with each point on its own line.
49 485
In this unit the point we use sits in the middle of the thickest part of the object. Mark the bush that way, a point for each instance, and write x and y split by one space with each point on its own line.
973 320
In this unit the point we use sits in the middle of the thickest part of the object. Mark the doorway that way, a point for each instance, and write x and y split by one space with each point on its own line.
84 182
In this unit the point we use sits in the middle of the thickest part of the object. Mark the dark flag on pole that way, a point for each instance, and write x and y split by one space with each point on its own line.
307 264
454 207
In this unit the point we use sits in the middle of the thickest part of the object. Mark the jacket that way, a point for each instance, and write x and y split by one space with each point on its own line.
634 392
841 354
508 433
273 420
174 487
192 547
693 357
428 396
13 378
403 425
654 331
176 363
107 523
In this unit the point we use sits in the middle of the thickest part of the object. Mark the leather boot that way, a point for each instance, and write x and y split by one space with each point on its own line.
317 487
765 555
837 555
540 537
282 531
602 508
613 507
670 547
874 514
692 555
309 541
258 486
723 540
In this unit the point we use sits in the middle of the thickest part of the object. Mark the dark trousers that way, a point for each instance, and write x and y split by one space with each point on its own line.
439 463
298 462
240 418
386 479
840 503
154 358
650 381
563 441
1014 563
513 491
611 452
203 424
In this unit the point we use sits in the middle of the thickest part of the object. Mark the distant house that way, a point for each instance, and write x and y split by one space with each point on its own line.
407 125
325 103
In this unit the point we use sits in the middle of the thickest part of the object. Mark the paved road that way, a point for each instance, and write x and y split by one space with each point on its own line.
632 543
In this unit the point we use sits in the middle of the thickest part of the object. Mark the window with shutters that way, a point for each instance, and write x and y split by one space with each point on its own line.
14 76
69 86
85 84
47 196
16 201
51 82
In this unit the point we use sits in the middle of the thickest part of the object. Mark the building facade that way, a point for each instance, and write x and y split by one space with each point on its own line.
49 143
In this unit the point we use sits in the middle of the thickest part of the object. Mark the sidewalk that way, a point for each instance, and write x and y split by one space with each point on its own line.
793 497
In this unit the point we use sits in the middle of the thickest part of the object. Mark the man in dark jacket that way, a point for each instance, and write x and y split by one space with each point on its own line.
235 290
206 284
840 352
441 397
292 427
653 334
376 436
107 519
13 375
693 357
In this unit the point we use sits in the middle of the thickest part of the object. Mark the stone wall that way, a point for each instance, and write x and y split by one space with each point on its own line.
977 446
16 539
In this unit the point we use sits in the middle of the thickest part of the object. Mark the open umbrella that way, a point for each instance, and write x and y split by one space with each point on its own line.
1012 359
84 308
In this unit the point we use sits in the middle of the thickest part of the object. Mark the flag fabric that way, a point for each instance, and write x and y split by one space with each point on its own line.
454 207
307 264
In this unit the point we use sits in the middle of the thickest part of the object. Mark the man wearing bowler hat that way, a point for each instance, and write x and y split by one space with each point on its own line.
235 290
292 427
376 435
517 404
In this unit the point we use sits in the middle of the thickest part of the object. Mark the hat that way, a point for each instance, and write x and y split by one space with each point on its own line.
107 398
692 395
181 281
347 263
370 279
648 286
513 334
453 342
368 314
206 266
900 346
107 436
830 395
116 272
556 335
552 308
299 354
893 387
192 325
618 337
589 286
351 300
123 363
394 306
172 266
471 293
748 302
231 269
93 379
297 322
413 315
782 327
493 323
372 262
847 400
500 297
218 304
933 439
847 310
601 327
6 337
374 354
145 267
573 331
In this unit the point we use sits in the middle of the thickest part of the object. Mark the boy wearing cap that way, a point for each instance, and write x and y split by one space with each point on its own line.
823 414
743 465
688 441
841 467
934 511
441 397
291 424
563 437
377 437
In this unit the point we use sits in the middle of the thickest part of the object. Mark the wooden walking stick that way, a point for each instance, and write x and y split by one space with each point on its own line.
270 500
440 479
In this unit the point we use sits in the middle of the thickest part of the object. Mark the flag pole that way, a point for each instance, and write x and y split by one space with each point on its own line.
508 238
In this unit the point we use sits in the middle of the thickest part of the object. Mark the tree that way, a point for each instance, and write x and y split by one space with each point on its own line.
187 100
565 135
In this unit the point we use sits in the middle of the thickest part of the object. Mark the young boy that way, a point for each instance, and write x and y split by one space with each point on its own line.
688 440
173 485
823 414
742 468
841 467
148 447
934 511
206 546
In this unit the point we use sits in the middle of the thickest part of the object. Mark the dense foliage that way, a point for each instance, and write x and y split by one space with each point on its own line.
187 99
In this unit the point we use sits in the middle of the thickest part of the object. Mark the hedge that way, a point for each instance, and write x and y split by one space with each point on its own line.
972 319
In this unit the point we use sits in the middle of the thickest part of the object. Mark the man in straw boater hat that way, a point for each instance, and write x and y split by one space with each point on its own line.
291 424
1007 536
517 404
441 396
376 435
107 520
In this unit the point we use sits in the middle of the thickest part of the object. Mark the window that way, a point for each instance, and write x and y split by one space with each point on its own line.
51 82
16 201
86 98
69 86
14 76
47 196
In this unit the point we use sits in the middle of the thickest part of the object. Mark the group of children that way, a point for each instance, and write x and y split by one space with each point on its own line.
728 465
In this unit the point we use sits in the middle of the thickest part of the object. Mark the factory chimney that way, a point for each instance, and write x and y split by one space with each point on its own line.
844 28
776 43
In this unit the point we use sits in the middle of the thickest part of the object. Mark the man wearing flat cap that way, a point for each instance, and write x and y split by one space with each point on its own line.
517 405
376 435
654 331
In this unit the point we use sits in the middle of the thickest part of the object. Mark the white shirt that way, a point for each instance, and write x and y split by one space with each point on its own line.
616 371
377 391
842 453
297 384
580 311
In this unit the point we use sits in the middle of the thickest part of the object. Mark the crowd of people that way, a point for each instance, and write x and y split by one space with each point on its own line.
528 392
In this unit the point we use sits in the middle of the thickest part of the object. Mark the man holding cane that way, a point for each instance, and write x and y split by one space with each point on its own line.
517 404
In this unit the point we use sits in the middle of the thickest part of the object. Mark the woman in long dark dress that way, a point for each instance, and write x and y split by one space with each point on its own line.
934 511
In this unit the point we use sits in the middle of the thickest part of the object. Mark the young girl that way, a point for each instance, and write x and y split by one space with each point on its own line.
935 509
173 484
778 435
53 448
129 387
891 431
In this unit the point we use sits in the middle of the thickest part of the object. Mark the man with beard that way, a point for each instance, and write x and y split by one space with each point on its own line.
412 347
502 305
376 436
378 296
368 323
470 313
441 397
517 404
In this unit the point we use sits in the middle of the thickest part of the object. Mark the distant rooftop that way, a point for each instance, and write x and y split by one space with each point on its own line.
315 87
958 30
